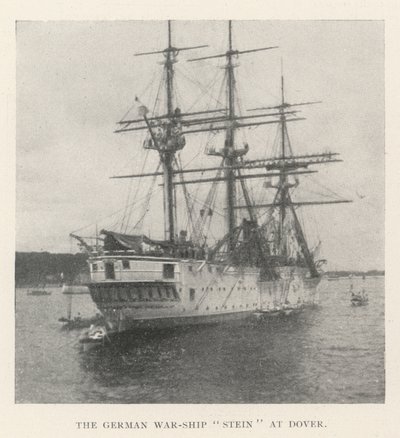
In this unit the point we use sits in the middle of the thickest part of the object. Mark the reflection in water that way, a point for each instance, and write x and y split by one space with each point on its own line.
218 363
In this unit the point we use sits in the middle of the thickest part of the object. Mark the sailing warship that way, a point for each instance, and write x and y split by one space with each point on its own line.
260 261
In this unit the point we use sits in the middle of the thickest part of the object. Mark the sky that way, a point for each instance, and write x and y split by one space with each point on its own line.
75 80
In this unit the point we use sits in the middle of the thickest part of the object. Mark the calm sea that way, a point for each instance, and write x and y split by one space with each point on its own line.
331 354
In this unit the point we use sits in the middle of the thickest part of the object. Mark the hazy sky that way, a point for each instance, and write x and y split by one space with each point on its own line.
76 79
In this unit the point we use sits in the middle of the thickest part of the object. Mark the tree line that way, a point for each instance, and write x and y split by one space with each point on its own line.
40 268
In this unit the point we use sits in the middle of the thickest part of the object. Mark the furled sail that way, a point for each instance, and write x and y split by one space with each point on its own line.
123 242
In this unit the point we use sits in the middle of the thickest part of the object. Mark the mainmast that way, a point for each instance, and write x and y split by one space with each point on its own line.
229 157
231 121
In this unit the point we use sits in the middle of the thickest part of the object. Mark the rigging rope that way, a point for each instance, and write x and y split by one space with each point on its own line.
201 86
147 200
140 94
189 206
128 212
203 204
205 89
210 201
113 213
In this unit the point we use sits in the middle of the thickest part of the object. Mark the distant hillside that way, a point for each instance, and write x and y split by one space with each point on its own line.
36 268
373 272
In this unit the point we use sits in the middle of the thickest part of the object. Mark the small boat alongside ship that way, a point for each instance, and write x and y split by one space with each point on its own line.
75 289
79 322
279 312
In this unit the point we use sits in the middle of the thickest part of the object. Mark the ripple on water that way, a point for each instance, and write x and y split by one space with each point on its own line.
332 354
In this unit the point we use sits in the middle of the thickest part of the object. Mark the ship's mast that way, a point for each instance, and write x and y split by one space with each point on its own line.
223 119
229 156
283 178
171 139
285 198
286 164
169 71
167 154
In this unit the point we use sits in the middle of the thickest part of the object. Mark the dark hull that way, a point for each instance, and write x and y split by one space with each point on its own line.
181 321
130 306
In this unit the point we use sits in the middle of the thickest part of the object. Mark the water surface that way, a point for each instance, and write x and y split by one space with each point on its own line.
331 354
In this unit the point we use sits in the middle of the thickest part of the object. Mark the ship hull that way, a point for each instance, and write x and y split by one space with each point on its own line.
197 293
133 323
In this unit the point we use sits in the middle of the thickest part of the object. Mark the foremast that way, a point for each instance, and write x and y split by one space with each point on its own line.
167 154
165 134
